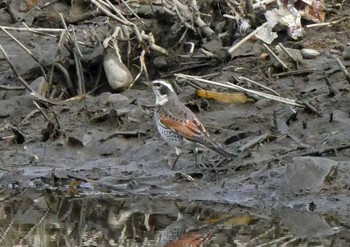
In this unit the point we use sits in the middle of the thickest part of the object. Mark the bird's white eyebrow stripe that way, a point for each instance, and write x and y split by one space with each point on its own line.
165 84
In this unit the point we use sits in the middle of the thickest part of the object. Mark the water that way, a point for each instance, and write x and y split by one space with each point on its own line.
43 218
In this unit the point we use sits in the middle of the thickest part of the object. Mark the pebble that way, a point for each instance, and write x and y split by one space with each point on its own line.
118 75
160 63
37 85
118 99
346 53
5 17
309 53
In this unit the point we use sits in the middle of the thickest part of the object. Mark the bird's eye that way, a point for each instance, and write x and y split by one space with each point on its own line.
164 90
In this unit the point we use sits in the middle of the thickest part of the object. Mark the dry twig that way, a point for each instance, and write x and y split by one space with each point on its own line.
27 50
343 69
332 89
275 57
11 88
254 141
24 83
242 89
246 38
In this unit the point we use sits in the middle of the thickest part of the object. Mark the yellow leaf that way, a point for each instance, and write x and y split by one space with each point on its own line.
235 221
225 97
240 220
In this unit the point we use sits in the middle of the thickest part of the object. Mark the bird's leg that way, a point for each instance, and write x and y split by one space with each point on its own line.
178 154
195 152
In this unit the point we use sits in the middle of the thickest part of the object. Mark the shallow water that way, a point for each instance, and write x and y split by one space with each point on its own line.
37 218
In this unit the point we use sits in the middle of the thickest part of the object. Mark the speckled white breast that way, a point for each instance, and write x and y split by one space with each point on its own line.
171 137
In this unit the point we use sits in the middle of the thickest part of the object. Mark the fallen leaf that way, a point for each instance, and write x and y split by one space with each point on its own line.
225 97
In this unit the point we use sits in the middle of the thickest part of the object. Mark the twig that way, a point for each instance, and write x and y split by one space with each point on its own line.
77 55
30 114
80 76
343 69
75 43
143 67
6 230
11 88
254 141
295 72
22 29
120 18
25 84
259 84
151 43
246 38
23 239
185 175
71 19
38 32
258 4
42 112
287 52
326 23
28 51
124 133
311 107
66 77
332 89
323 24
326 150
242 89
129 8
197 19
108 13
275 241
275 57
194 66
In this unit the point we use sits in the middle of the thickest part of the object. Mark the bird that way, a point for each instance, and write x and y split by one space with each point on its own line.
178 125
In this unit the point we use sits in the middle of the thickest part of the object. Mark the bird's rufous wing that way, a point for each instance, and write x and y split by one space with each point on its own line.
191 129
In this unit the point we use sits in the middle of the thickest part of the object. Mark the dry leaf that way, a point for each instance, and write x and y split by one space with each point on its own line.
235 221
225 97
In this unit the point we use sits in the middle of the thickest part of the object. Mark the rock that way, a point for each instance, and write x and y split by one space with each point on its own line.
79 140
38 85
118 100
295 53
160 63
214 45
23 103
309 53
306 174
5 18
118 75
346 53
220 26
304 224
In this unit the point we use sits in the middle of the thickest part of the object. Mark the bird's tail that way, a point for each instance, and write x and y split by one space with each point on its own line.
215 147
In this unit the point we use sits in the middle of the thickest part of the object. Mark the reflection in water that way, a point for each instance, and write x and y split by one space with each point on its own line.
37 218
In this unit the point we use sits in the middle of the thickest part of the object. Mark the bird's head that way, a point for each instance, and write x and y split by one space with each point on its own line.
163 90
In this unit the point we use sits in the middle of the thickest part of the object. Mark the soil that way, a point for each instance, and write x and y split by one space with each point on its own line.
106 142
